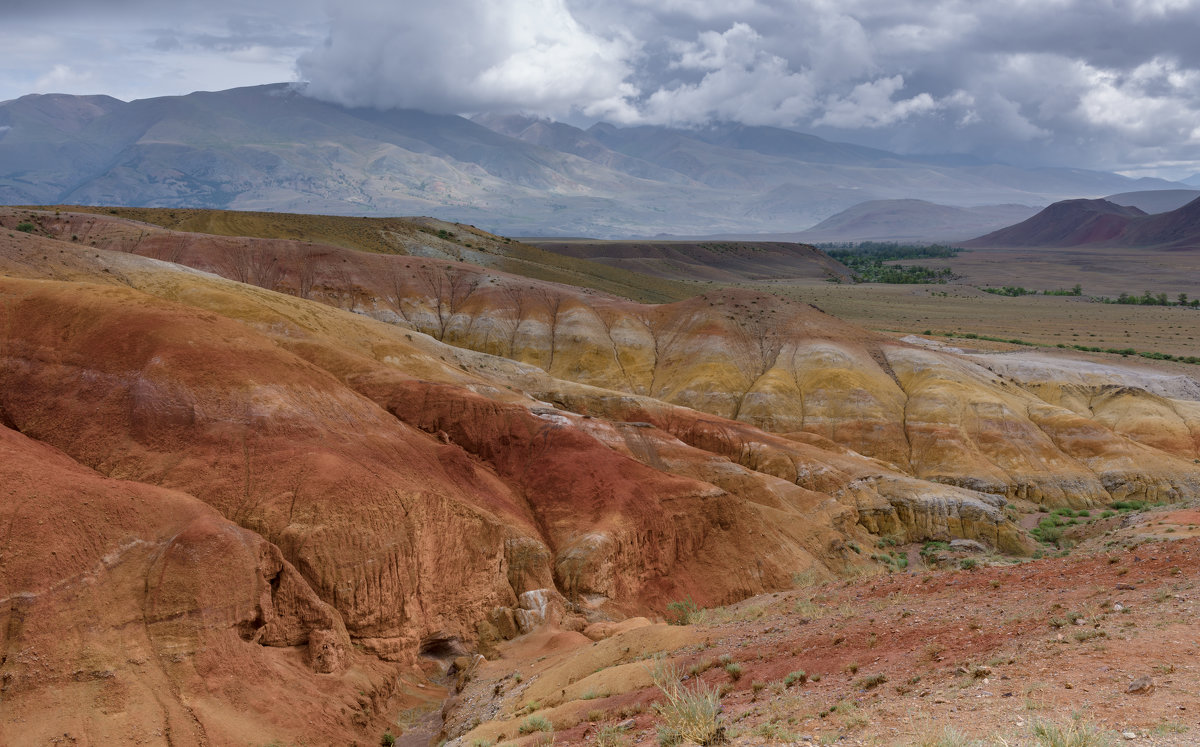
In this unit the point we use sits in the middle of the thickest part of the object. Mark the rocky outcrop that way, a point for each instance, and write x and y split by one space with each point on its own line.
130 611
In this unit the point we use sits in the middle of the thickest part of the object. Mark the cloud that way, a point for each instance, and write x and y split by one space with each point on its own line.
465 56
62 77
871 105
740 82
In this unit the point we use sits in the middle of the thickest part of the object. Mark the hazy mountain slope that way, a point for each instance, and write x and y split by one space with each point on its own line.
913 220
272 148
1179 228
1156 200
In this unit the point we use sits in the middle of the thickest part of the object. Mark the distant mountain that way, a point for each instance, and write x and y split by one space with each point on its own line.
1191 181
913 220
273 148
1100 223
1177 229
1157 200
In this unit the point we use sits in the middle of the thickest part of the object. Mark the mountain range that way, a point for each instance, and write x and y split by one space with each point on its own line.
274 148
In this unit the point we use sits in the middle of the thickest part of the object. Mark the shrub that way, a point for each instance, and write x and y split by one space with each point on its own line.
25 227
872 681
388 739
535 724
680 612
798 676
734 670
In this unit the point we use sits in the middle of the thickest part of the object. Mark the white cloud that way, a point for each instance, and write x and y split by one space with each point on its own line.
62 78
870 104
465 55
741 82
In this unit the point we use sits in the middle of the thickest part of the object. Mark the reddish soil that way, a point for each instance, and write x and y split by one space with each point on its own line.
990 652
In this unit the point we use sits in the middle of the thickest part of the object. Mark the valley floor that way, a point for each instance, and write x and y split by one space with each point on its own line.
1040 320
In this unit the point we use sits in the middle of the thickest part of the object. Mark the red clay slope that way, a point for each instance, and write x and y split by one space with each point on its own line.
1100 223
1066 223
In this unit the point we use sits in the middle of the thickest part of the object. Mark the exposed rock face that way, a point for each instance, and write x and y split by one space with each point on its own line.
131 611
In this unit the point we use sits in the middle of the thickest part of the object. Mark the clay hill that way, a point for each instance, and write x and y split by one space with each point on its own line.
260 489
274 148
1100 223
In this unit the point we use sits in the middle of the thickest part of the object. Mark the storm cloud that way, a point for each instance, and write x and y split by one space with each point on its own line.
1113 84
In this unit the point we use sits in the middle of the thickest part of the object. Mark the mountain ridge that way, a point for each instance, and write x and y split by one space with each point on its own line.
272 148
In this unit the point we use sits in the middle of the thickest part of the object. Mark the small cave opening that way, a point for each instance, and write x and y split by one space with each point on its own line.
441 646
248 629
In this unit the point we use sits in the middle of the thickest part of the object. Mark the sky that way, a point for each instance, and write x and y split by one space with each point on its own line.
1106 84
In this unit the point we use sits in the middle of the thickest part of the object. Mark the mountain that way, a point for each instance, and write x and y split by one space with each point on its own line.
1178 228
273 148
913 220
1156 200
1191 181
1100 223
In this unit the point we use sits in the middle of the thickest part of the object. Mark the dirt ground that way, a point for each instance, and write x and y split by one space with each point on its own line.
969 649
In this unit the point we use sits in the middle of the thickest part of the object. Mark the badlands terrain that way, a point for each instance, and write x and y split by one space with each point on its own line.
275 479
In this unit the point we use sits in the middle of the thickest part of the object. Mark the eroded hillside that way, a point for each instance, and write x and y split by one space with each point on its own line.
380 461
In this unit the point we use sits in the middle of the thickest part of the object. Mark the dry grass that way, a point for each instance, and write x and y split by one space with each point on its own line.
1043 320
691 714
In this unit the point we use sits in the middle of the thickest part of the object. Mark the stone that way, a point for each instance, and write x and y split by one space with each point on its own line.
967 545
1141 686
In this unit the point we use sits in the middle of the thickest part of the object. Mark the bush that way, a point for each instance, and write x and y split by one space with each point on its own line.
535 724
681 612
799 676
388 739
25 227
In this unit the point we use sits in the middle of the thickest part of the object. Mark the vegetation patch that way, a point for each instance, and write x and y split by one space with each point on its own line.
869 260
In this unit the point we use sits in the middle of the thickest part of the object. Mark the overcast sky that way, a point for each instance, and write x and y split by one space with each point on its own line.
1111 84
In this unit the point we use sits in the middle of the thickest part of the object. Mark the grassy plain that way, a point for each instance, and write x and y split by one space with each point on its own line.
962 309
